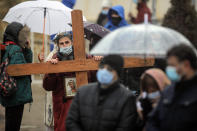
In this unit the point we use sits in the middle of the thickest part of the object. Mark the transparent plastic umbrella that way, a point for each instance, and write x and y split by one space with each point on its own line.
143 40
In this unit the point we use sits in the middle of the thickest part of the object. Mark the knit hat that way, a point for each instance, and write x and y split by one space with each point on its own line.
69 3
107 3
114 61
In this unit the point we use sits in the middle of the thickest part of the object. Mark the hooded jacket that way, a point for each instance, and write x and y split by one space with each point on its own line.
143 102
69 3
142 10
120 10
12 31
159 76
23 94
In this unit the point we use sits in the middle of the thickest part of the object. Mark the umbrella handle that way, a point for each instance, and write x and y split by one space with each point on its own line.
146 19
43 40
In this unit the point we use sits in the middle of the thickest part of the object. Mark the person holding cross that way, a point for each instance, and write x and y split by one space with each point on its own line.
57 82
106 105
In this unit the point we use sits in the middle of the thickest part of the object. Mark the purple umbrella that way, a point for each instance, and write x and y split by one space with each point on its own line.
92 30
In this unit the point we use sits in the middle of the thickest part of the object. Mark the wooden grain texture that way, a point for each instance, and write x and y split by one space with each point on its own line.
78 35
69 66
79 44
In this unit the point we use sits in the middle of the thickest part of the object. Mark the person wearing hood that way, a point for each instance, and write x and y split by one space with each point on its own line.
105 105
116 18
16 38
69 3
142 10
102 19
176 110
153 82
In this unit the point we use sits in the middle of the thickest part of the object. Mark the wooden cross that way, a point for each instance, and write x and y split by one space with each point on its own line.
80 64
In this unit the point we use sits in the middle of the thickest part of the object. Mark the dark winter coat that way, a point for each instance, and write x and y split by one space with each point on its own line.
96 109
56 84
102 19
177 109
23 94
142 10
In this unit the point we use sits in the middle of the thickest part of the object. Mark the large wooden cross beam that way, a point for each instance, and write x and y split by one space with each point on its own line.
80 64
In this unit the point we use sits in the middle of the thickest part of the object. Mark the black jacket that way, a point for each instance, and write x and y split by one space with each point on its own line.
177 109
102 19
96 109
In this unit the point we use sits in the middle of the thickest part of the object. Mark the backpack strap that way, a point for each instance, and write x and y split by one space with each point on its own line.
2 46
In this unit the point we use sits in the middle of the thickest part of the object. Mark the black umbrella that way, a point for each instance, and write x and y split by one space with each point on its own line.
92 30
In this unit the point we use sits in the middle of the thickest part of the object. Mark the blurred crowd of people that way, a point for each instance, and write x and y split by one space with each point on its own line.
113 17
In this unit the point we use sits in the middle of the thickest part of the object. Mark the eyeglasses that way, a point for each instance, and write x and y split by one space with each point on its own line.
66 42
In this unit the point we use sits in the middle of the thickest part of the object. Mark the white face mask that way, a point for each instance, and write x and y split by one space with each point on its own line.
104 76
105 12
66 50
144 95
172 74
135 1
154 95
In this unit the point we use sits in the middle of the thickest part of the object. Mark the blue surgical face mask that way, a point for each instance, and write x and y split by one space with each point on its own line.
104 76
104 12
66 50
153 95
135 1
172 74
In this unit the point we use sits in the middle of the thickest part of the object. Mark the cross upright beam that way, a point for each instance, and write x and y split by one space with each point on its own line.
79 45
